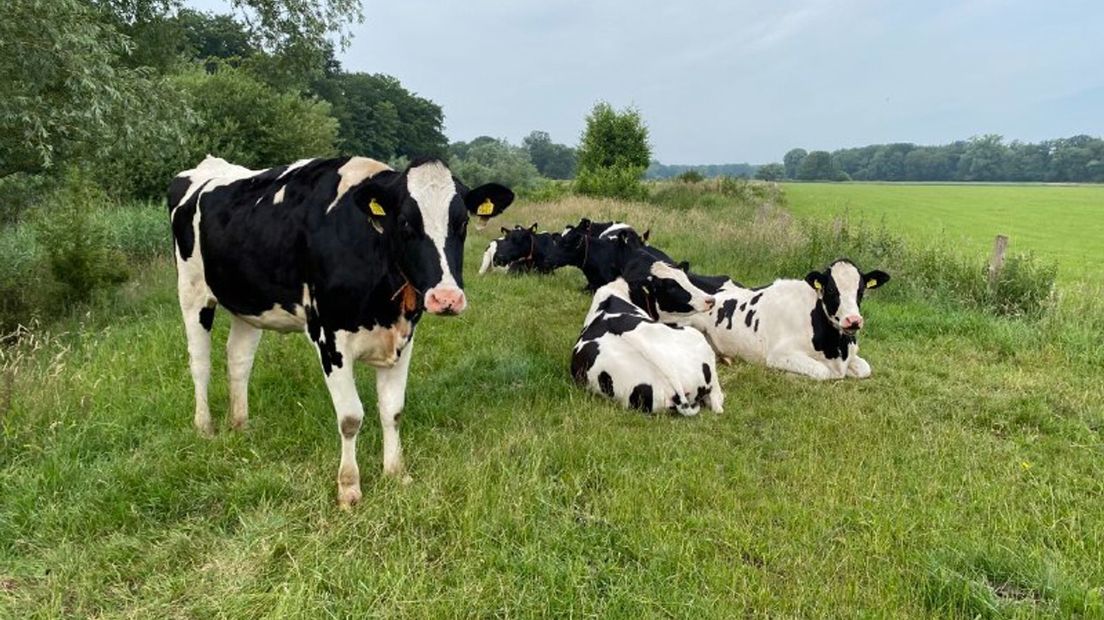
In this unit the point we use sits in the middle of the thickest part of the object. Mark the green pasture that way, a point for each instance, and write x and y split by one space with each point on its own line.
1060 223
964 479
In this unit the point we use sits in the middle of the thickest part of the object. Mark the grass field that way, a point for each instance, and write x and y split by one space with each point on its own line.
1064 224
964 479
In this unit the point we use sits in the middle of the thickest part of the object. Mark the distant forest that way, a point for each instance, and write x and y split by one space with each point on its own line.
660 171
1079 159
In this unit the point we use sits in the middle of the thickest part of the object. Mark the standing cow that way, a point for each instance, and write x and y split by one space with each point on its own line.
346 250
809 327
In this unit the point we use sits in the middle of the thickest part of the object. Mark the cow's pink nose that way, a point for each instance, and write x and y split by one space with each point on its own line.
448 300
709 303
852 322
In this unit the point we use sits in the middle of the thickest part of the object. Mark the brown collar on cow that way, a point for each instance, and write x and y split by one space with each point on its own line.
409 302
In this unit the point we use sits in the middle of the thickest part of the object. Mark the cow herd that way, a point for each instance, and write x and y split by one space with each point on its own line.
635 345
352 253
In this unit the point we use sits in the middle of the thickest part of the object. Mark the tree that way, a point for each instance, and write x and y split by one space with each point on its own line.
818 166
613 153
379 118
555 161
792 162
771 172
64 97
489 160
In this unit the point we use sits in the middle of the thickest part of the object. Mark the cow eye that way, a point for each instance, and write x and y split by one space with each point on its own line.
407 228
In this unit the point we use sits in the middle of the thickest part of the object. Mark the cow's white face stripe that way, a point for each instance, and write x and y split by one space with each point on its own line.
847 279
432 187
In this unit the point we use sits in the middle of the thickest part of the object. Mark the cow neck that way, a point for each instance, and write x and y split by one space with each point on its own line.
827 338
641 297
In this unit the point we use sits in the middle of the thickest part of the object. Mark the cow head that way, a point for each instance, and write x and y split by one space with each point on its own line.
423 213
516 245
663 289
840 290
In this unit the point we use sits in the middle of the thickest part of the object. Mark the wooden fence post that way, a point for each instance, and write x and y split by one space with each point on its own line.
996 262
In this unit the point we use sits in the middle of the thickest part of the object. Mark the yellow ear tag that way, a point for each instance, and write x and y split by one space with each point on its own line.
871 283
487 208
375 208
817 285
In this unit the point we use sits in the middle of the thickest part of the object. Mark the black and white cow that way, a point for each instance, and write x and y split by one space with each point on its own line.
809 327
346 250
601 250
628 350
522 250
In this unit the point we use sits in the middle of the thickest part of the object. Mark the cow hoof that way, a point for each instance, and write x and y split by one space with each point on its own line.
205 429
239 424
726 360
348 497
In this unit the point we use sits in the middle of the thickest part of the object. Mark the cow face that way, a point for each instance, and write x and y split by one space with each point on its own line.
663 289
424 212
840 289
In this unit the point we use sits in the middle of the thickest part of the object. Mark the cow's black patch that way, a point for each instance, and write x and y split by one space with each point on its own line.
755 328
708 374
755 300
207 317
605 383
615 305
743 306
616 325
703 393
583 360
749 317
826 338
727 309
641 397
709 284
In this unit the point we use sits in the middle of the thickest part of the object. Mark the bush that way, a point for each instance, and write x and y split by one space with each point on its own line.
18 192
74 243
690 176
620 182
614 154
548 190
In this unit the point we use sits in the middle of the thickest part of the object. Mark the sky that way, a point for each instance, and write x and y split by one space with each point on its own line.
735 81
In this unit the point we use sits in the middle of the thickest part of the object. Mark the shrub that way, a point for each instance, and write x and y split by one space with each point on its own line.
690 176
74 243
618 182
613 154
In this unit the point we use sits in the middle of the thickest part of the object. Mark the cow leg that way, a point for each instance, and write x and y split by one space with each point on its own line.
858 368
391 391
198 318
801 364
350 413
241 346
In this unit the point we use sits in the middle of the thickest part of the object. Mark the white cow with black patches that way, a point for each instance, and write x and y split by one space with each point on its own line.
628 351
345 250
809 327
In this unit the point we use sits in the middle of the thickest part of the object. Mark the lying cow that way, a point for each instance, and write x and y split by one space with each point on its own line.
522 250
600 250
809 327
629 352
346 250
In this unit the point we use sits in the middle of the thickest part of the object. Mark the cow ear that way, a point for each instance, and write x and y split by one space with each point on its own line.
684 265
815 279
646 234
505 230
876 278
377 199
487 201
533 228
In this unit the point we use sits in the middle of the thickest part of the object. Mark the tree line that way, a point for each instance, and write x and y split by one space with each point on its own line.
1077 159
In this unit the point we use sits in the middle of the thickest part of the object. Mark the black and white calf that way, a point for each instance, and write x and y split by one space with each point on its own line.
346 250
809 326
629 352
522 250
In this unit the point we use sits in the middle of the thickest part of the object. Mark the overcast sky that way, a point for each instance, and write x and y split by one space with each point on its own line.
733 81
